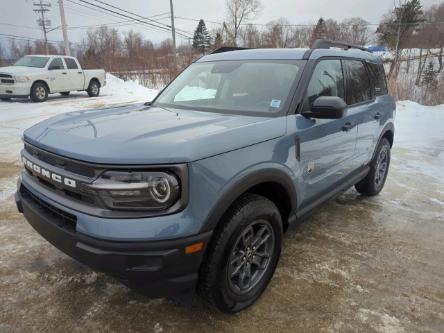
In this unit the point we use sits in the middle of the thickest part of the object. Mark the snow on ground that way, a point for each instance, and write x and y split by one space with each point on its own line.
18 115
419 139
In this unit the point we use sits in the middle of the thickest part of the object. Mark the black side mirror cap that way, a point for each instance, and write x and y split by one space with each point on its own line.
326 107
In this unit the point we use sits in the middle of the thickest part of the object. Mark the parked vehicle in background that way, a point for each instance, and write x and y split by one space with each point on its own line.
195 190
38 76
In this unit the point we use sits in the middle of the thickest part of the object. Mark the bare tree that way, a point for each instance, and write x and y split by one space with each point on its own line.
238 12
250 36
355 30
397 28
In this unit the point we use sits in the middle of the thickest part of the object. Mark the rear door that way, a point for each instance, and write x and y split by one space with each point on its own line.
327 146
363 108
75 74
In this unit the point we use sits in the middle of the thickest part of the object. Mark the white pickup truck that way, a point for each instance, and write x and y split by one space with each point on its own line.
39 75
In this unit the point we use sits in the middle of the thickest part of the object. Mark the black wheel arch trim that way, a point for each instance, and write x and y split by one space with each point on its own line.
242 184
40 81
94 79
389 127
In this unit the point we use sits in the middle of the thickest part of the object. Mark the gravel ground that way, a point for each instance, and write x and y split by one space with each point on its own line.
357 264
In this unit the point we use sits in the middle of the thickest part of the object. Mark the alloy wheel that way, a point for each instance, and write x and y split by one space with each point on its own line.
250 256
381 166
40 92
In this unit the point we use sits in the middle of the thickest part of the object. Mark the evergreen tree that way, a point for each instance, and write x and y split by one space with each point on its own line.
320 31
429 79
202 38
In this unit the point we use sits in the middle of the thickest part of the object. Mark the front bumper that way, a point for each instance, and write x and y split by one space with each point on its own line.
156 268
17 90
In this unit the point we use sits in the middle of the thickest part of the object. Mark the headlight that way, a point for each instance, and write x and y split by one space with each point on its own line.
22 79
150 190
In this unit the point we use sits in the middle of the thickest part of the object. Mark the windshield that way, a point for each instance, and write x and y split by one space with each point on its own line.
240 86
28 61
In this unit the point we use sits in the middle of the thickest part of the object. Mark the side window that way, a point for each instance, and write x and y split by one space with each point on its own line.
378 77
56 63
327 80
71 63
358 82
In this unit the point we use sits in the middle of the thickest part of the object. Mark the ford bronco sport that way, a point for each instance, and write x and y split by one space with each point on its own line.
194 190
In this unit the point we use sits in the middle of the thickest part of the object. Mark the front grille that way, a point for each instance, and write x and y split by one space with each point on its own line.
55 215
63 163
79 196
6 75
7 81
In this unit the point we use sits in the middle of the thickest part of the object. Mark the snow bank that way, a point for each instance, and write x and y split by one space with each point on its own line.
127 89
18 115
419 139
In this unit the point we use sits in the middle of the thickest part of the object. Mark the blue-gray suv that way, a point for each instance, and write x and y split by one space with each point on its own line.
194 190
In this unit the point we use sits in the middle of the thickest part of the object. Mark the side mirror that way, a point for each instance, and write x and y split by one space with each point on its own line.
326 107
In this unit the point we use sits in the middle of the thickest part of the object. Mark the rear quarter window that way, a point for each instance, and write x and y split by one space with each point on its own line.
71 63
377 74
359 87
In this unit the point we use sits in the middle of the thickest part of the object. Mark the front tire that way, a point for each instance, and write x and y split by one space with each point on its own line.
93 89
39 92
373 183
243 254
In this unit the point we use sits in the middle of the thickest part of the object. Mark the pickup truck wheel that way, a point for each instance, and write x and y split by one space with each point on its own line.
93 89
373 183
39 92
65 93
242 255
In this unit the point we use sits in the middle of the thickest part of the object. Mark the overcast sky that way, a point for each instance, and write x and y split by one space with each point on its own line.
17 17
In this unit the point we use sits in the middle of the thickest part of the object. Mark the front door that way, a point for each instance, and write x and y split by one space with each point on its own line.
327 146
57 75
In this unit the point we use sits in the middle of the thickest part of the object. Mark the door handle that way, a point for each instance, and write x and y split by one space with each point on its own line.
79 72
347 126
64 73
377 115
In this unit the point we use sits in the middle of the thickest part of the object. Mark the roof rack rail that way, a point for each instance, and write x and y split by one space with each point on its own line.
228 48
326 44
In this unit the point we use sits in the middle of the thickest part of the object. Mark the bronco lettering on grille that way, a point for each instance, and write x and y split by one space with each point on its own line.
52 176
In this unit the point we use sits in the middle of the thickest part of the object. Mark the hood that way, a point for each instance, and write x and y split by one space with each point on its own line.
138 134
20 70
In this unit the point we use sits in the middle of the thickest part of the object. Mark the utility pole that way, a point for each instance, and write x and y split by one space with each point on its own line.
64 29
173 33
41 8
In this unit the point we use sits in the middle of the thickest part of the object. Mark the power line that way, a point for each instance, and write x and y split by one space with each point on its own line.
124 15
109 14
169 27
305 25
135 21
30 39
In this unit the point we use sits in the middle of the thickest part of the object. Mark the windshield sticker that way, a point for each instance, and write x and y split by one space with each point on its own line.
275 103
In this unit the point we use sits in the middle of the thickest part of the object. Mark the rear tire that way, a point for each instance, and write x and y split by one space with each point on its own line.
374 182
93 89
39 92
65 93
242 255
